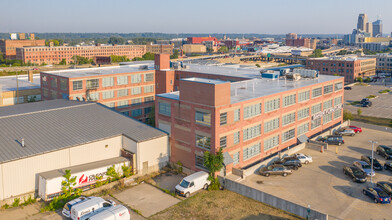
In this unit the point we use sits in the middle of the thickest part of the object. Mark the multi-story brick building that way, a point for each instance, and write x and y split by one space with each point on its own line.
249 119
199 40
347 66
302 42
53 55
160 48
128 89
9 47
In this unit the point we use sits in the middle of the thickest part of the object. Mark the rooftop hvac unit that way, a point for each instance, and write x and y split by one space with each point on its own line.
306 73
293 76
144 67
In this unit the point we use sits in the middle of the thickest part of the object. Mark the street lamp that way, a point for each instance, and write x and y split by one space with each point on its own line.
371 175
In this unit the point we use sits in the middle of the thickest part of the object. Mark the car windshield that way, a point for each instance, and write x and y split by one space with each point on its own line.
366 166
387 187
388 150
184 184
67 206
357 172
382 193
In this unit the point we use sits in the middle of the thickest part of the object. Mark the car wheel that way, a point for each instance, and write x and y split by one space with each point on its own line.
187 195
306 162
364 192
205 186
267 174
375 201
284 174
352 135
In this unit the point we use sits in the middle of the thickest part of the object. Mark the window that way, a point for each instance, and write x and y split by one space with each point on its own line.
272 105
236 137
136 90
122 92
92 83
302 129
136 112
136 78
316 123
316 108
54 94
107 81
338 100
223 118
328 89
288 119
288 135
327 104
236 158
338 86
199 162
53 82
203 118
125 113
122 80
107 95
271 125
316 92
148 77
303 96
148 89
77 85
251 151
137 101
147 110
122 104
237 114
337 114
203 142
252 132
164 108
303 113
271 143
252 110
327 118
223 142
63 84
94 96
289 100
148 99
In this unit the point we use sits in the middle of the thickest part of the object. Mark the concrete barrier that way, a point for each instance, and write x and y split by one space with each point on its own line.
271 200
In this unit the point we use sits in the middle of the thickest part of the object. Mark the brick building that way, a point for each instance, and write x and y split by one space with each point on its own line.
199 40
302 42
9 47
248 117
347 66
160 48
128 89
53 55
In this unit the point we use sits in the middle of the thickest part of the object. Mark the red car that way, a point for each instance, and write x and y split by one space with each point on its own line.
356 129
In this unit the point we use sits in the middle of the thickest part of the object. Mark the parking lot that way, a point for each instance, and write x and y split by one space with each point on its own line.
324 187
381 106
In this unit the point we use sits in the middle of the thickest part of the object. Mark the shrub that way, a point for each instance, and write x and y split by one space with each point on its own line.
257 65
359 112
215 184
114 175
179 166
347 115
16 202
28 201
6 206
127 170
384 91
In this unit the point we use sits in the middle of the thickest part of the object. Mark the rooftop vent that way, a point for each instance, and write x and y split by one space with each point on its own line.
144 67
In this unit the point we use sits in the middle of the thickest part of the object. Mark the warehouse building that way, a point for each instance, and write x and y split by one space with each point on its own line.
58 134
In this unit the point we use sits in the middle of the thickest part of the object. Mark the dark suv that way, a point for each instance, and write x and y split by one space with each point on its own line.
384 151
356 174
290 162
276 169
333 139
368 159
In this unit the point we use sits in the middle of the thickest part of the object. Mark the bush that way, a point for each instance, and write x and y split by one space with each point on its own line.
28 201
127 170
359 79
179 166
384 91
257 65
114 175
367 80
215 184
16 202
371 96
6 206
347 115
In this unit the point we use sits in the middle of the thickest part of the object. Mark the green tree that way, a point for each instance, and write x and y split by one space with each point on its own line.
117 59
81 60
359 79
342 52
114 175
317 53
68 184
151 117
175 55
359 112
63 62
223 49
257 65
116 40
347 115
214 163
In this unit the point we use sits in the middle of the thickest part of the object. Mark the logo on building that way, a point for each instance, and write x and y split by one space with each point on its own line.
83 179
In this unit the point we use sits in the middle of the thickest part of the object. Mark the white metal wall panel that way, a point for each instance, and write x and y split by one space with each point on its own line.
155 151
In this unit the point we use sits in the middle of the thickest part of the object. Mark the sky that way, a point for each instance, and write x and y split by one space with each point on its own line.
187 16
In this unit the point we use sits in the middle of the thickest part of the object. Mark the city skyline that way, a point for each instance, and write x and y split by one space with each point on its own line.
281 16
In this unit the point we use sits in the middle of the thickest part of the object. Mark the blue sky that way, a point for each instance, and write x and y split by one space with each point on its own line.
186 16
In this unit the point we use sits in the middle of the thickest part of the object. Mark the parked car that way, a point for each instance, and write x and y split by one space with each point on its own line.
356 129
193 183
276 169
67 207
304 158
348 88
345 131
333 139
384 151
388 166
365 167
377 195
91 205
355 174
364 100
387 187
367 104
289 162
368 159
118 212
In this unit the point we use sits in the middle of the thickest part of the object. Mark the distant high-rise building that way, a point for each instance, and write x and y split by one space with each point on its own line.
369 28
291 36
377 28
362 20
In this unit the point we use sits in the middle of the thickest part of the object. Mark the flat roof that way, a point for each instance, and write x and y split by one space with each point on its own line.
53 125
224 70
9 83
204 80
341 58
100 71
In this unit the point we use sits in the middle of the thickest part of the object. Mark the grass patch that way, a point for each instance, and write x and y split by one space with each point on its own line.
355 103
361 84
386 122
371 96
219 204
384 91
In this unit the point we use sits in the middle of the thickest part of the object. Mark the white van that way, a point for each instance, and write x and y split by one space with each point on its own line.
118 212
192 183
91 205
67 207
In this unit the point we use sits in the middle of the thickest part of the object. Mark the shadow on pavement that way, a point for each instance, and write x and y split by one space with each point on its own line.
336 172
361 150
354 192
348 160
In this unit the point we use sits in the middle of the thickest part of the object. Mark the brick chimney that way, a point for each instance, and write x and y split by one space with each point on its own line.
30 73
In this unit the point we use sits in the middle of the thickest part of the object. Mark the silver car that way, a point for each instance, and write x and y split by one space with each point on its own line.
365 167
345 131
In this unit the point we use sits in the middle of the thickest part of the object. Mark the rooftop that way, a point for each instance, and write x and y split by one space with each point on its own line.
9 83
342 58
58 124
99 71
204 80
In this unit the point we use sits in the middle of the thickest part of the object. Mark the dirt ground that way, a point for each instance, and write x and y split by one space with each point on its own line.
221 205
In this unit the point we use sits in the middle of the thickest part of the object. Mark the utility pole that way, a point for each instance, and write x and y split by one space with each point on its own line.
371 168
